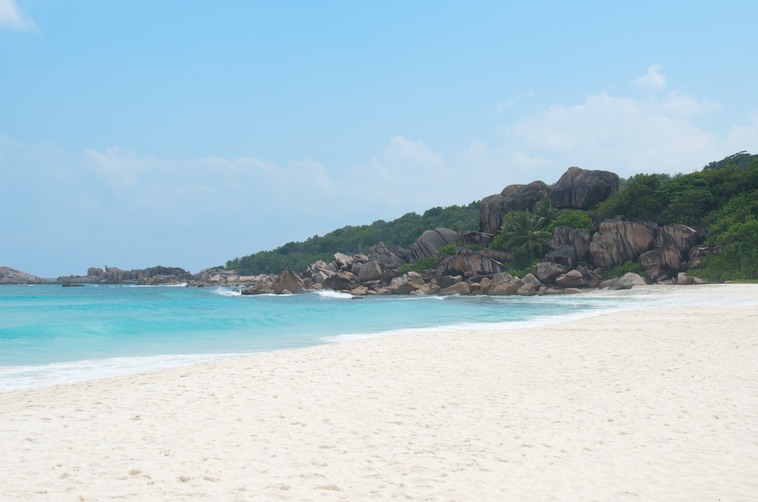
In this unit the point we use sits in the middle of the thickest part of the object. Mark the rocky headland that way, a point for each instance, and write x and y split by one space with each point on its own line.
577 259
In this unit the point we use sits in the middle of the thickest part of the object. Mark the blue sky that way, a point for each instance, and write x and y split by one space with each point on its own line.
135 134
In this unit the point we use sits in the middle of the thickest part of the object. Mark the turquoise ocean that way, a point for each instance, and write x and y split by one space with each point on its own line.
51 335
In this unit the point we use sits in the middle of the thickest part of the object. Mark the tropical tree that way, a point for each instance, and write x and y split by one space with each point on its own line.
523 233
546 213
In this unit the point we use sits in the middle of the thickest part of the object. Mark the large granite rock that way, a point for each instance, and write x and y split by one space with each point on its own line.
469 263
405 284
583 189
370 271
569 246
493 209
618 241
547 271
672 247
289 282
627 281
263 286
12 276
502 284
342 281
430 242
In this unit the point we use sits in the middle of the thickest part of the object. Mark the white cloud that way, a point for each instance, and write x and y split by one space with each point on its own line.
653 80
628 135
12 17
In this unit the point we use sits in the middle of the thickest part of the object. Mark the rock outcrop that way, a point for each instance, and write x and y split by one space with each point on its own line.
569 246
430 242
618 241
289 283
12 276
469 263
113 275
583 189
493 209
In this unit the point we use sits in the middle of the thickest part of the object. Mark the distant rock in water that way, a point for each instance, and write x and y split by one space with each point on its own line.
12 276
112 275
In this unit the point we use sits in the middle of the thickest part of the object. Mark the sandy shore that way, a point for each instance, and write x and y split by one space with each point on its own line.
642 405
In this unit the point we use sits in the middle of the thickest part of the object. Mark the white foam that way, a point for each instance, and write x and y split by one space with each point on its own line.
328 293
30 377
618 301
226 291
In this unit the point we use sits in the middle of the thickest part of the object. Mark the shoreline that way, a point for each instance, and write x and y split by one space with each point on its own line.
591 303
642 404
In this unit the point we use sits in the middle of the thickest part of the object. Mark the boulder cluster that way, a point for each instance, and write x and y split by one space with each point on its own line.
576 262
577 259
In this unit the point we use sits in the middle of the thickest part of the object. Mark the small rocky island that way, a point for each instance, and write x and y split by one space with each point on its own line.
12 276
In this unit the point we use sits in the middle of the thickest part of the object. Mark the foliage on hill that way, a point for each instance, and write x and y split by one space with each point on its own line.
355 239
686 198
721 199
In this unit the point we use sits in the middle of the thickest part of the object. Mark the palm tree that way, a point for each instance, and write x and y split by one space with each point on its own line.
546 213
523 233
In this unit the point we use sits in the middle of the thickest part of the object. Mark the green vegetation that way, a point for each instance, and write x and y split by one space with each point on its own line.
721 199
350 240
734 228
572 218
686 198
419 265
448 249
523 233
623 268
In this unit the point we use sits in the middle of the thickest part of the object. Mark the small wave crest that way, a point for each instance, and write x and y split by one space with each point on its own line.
221 291
328 293
30 377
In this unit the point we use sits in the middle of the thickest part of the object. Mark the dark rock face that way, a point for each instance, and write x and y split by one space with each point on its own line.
12 276
617 241
625 282
582 189
470 263
290 282
370 271
493 209
569 246
430 242
520 197
501 284
671 249
547 271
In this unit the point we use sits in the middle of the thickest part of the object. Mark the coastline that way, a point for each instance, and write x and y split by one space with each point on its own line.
644 404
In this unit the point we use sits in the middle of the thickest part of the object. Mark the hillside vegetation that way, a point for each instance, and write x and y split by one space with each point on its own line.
356 239
721 200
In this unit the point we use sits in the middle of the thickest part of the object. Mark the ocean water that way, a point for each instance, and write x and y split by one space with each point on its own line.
51 335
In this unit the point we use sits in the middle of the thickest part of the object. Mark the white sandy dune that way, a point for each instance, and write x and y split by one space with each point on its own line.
640 405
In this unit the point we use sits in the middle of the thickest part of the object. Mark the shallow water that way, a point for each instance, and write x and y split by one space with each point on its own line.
50 334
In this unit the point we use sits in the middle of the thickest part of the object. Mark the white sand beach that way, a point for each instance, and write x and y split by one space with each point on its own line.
658 404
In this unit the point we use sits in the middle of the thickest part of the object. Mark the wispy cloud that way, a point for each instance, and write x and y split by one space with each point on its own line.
11 17
653 80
